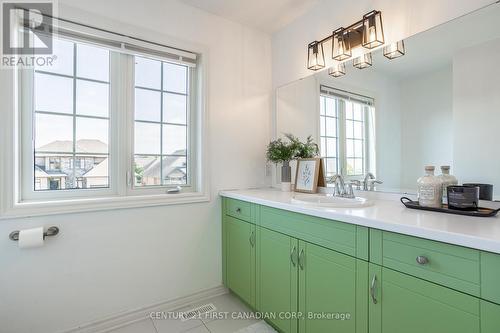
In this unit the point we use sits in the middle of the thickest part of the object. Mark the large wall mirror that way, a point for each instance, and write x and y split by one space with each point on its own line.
439 104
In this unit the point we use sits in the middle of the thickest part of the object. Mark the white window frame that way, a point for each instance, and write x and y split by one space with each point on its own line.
341 96
13 199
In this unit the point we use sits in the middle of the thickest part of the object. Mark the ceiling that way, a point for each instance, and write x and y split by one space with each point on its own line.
265 15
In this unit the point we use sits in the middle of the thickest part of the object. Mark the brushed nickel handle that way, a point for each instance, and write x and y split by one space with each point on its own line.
422 260
372 289
251 239
301 259
292 256
238 210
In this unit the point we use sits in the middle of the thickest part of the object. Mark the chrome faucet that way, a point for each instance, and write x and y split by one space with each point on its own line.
341 189
370 181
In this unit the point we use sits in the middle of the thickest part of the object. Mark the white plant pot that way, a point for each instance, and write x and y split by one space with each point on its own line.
286 186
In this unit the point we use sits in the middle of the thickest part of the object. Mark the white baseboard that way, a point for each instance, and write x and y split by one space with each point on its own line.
127 317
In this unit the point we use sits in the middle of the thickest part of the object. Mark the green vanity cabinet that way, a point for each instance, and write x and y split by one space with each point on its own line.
276 277
333 284
402 303
240 258
312 275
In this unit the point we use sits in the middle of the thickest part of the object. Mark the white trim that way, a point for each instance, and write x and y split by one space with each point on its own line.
119 320
79 205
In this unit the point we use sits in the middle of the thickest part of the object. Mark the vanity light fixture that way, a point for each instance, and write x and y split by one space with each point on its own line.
341 45
337 70
373 31
315 56
366 33
394 50
363 61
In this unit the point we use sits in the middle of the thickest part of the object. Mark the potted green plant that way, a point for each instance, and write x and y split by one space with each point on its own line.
283 151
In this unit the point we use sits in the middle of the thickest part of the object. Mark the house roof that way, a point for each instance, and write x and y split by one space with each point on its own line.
99 170
82 146
39 173
171 164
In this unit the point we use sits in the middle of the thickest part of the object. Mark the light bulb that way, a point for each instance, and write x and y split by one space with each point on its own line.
372 34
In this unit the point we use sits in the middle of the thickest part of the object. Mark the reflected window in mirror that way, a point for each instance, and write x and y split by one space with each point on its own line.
346 133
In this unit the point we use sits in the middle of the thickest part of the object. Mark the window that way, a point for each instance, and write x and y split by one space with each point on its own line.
161 118
346 133
109 121
71 116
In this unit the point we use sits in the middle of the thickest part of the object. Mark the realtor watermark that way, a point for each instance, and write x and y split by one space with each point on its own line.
27 33
240 315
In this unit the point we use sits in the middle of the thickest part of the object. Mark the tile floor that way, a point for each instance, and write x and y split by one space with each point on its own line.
207 324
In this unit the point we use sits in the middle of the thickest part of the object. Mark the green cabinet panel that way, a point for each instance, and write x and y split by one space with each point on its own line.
333 284
277 274
449 265
240 259
490 317
338 236
411 305
240 209
490 277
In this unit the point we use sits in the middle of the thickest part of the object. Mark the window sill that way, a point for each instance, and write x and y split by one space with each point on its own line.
56 207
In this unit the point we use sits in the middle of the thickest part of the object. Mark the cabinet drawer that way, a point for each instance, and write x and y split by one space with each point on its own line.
239 209
341 237
449 265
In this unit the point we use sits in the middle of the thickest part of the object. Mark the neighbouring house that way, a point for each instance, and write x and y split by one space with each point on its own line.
56 167
173 169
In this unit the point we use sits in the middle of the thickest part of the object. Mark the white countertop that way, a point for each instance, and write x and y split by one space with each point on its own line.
387 213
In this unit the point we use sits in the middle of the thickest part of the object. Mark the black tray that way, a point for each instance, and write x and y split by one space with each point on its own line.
480 212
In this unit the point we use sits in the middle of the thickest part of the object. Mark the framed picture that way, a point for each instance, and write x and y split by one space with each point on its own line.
309 175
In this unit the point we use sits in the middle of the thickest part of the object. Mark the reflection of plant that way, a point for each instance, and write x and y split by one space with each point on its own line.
139 173
307 149
282 151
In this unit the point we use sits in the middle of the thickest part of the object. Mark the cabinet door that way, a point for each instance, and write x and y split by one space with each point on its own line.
332 291
402 303
240 259
490 317
277 278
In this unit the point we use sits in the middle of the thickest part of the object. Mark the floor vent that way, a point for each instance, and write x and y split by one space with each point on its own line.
198 312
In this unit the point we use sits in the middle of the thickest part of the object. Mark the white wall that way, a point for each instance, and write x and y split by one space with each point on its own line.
103 263
401 19
297 106
476 112
426 123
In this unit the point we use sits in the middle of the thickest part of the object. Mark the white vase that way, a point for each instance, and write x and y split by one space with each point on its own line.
430 189
447 180
286 186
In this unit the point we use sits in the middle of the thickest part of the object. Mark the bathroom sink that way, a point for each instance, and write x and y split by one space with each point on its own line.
325 200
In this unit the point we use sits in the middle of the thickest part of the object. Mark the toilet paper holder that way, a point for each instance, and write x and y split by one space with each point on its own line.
52 231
